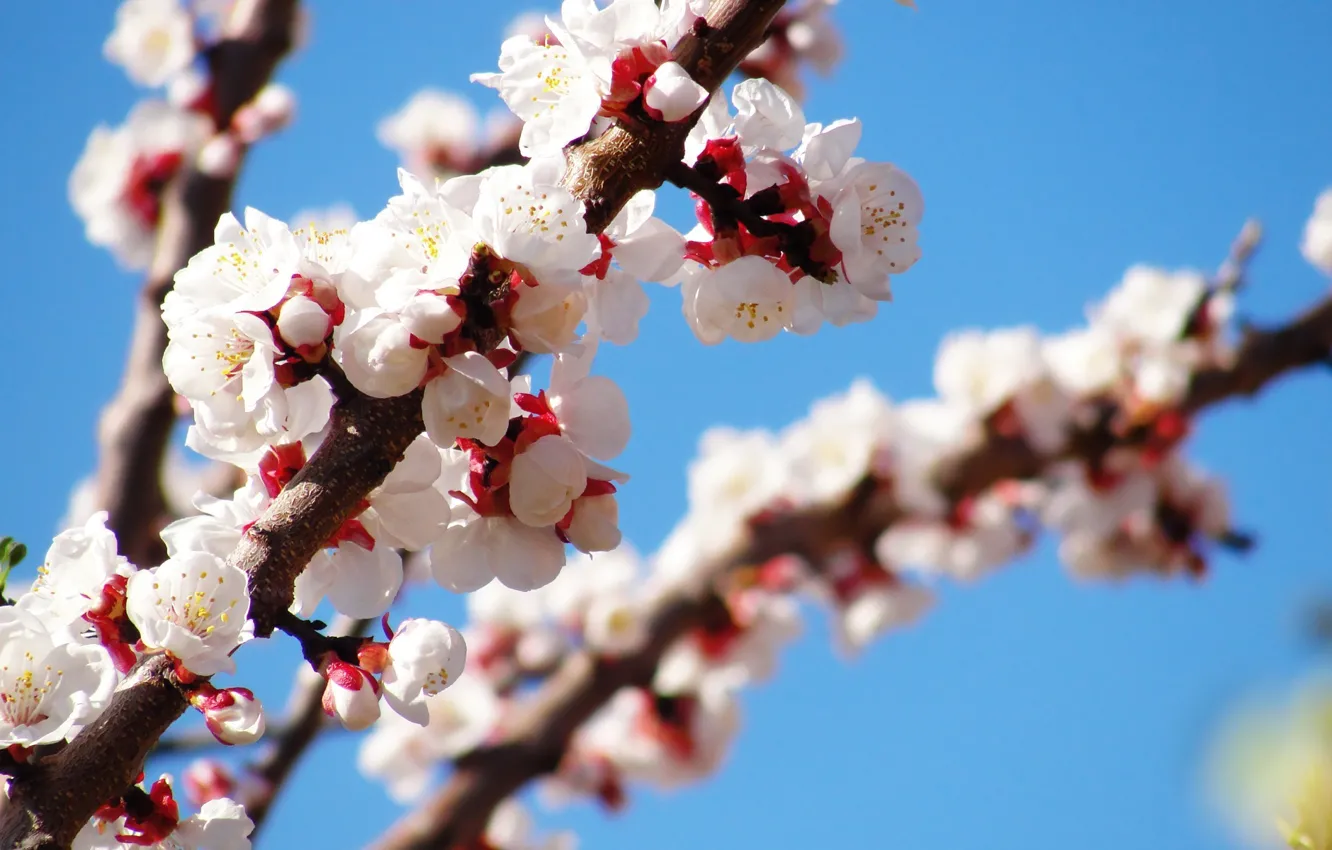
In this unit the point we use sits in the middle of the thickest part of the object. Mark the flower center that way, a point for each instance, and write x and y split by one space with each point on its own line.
21 701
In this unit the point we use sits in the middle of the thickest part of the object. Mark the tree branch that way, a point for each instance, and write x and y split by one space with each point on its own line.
136 424
535 739
367 437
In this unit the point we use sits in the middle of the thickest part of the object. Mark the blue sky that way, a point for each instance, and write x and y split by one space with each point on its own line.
1056 143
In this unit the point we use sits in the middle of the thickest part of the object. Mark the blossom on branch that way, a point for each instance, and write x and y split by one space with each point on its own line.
233 715
612 61
153 39
48 690
814 235
152 819
117 185
425 657
194 607
231 319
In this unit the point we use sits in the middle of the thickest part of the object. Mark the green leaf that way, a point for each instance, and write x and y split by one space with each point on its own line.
11 553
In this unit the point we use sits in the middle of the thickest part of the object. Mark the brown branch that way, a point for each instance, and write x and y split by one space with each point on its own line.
367 437
136 424
535 740
630 157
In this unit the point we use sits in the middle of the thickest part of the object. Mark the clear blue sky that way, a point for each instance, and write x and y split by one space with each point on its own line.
1056 143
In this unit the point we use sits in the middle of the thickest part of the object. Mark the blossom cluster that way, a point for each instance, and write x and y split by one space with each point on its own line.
1108 477
118 188
90 617
441 293
438 298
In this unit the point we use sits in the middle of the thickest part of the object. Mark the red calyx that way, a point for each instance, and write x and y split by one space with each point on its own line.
279 465
629 72
601 265
143 189
114 629
151 817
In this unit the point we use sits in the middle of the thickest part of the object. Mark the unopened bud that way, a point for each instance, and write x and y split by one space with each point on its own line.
351 695
233 715
206 780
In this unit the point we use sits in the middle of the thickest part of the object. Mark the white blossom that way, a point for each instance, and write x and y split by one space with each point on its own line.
233 715
879 610
116 186
987 535
375 350
1316 243
766 116
48 690
545 479
671 94
471 400
476 549
595 524
833 448
749 300
193 606
1152 306
153 40
615 624
69 582
434 131
425 657
875 215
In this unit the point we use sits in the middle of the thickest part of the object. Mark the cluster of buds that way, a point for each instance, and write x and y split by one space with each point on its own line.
420 660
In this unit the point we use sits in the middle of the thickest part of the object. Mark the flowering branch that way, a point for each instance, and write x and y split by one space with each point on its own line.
366 439
534 741
307 720
136 425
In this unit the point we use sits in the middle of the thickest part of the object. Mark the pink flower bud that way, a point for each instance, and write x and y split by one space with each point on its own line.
233 715
595 525
277 104
270 111
351 695
206 780
302 322
431 317
220 156
670 94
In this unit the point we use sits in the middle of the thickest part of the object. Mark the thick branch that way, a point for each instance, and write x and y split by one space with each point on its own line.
136 425
367 437
536 738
